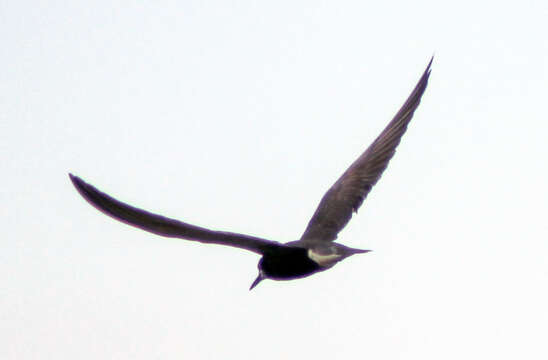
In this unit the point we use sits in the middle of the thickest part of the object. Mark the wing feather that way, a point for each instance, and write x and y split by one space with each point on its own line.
348 193
164 226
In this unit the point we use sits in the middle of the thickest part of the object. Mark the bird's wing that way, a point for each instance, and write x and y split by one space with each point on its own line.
164 226
351 189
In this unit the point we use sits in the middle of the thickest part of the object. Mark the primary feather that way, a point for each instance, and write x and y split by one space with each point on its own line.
351 189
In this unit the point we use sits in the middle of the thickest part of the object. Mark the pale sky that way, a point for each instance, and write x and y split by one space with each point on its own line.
238 116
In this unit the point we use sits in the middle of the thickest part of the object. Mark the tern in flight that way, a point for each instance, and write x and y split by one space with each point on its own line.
316 250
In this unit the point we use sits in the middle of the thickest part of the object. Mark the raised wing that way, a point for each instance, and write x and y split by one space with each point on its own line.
351 189
164 226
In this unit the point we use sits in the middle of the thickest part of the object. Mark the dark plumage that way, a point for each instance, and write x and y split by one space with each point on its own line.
315 251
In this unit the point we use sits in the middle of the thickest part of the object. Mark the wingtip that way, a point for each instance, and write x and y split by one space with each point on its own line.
79 184
74 179
429 66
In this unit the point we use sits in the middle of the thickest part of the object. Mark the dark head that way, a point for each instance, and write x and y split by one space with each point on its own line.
261 275
258 279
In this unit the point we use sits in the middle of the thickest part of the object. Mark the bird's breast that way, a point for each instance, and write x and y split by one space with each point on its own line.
288 263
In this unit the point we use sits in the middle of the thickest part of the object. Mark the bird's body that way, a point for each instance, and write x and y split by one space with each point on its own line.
296 259
316 250
288 263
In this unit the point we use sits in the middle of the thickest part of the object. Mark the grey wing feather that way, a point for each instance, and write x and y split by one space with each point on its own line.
164 226
351 189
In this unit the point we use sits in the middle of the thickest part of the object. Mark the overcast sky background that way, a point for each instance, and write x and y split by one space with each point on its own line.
238 116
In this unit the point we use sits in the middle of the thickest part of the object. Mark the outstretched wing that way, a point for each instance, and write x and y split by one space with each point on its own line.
351 189
164 226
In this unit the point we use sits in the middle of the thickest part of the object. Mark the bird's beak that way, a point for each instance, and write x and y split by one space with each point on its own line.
257 280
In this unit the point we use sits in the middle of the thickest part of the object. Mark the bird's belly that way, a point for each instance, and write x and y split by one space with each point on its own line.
291 265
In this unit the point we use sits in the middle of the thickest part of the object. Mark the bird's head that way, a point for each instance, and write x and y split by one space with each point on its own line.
261 276
258 279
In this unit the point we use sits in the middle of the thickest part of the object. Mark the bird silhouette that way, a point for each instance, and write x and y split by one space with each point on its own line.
316 250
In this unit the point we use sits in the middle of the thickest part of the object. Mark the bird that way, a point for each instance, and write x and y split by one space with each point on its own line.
316 250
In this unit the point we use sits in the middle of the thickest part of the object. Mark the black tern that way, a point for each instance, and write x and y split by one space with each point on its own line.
316 250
